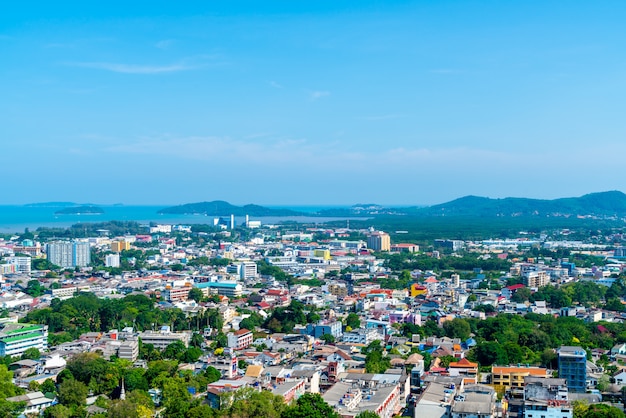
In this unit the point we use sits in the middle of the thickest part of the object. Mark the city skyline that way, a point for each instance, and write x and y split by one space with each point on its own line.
396 103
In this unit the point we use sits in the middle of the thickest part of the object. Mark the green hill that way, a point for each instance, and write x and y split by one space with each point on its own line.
221 208
603 204
80 210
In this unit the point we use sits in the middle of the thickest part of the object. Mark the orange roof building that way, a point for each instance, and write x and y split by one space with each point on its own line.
466 369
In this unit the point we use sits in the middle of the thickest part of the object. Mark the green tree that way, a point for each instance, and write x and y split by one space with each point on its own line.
457 328
48 386
196 294
603 411
327 338
72 393
367 414
34 288
489 353
196 340
521 295
176 398
249 403
174 350
353 321
57 411
310 405
31 353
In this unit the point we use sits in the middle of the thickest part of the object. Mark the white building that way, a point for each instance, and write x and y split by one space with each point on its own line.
35 402
161 229
22 264
17 338
69 254
112 260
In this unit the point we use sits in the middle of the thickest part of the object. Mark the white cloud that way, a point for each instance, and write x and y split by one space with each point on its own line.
446 71
133 68
275 85
383 117
164 44
318 94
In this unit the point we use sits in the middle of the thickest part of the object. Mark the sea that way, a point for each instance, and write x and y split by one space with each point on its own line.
16 218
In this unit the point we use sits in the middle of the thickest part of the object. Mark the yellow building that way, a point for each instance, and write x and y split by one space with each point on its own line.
379 241
417 289
119 246
511 378
338 289
325 254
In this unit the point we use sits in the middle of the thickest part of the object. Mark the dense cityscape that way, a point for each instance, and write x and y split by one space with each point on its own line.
313 209
297 320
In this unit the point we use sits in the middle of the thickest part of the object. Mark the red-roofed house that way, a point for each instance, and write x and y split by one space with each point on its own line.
241 339
509 291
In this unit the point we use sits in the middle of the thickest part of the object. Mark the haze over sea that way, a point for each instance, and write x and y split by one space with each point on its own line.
14 218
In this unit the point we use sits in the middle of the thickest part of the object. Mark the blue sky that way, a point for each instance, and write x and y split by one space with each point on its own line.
311 102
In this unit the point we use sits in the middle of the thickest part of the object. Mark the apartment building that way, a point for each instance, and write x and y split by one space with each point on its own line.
120 245
379 241
228 289
17 338
112 260
511 378
175 293
241 339
546 397
69 253
536 279
573 367
21 263
160 340
129 350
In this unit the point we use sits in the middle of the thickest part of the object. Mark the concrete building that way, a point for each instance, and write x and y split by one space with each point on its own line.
228 289
112 260
69 254
239 340
34 403
333 328
546 397
160 340
448 244
120 245
175 294
475 401
64 292
573 367
351 398
536 279
129 350
21 263
361 336
511 379
379 241
248 271
17 338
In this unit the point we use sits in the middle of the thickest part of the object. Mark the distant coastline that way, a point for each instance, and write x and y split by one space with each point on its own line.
15 218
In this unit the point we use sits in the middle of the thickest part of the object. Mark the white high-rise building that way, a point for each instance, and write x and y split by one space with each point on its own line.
112 260
69 254
21 263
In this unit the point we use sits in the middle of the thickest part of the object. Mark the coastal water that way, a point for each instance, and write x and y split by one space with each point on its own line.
15 218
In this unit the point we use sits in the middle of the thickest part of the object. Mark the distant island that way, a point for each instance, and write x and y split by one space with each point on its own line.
50 205
602 204
611 204
80 210
221 208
